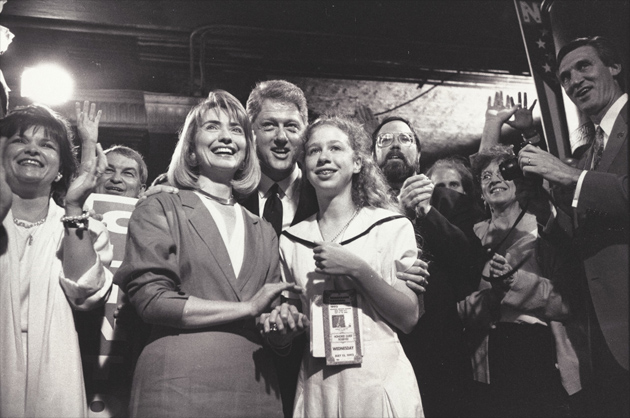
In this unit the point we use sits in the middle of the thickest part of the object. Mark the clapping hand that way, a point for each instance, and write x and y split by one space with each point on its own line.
415 195
498 267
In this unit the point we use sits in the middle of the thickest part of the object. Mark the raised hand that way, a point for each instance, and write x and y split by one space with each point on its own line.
523 119
87 121
6 195
93 160
365 115
499 111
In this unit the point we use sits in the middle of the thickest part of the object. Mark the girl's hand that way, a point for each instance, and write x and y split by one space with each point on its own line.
333 259
93 160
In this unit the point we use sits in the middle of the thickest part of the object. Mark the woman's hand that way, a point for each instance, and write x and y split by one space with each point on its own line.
333 259
498 267
498 111
93 160
6 195
283 324
265 296
523 119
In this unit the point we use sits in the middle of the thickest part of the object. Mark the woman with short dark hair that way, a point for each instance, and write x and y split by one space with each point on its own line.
52 259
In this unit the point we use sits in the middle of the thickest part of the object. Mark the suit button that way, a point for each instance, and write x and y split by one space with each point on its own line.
181 293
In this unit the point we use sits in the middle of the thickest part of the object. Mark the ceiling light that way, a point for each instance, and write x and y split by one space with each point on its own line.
47 83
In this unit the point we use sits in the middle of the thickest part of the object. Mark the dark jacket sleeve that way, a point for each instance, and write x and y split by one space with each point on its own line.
447 233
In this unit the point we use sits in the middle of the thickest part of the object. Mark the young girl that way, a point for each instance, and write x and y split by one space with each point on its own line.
351 248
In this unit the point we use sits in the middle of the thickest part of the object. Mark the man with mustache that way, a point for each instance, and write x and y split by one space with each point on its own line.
443 219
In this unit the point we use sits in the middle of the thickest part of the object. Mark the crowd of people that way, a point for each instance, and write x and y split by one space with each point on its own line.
287 268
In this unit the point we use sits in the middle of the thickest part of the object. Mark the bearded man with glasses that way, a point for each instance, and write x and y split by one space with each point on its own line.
443 219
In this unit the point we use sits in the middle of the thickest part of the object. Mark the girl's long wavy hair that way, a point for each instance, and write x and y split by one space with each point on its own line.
369 187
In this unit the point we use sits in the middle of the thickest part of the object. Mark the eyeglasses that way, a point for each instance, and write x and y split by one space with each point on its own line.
486 176
385 140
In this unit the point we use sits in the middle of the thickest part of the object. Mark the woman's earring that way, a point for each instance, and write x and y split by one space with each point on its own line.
193 159
58 177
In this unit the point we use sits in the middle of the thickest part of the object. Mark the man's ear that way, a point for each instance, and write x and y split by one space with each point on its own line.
143 187
614 69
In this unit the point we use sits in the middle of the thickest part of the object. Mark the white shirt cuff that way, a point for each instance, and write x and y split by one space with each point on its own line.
578 188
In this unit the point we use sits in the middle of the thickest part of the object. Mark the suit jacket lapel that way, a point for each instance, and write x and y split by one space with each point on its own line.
206 228
617 137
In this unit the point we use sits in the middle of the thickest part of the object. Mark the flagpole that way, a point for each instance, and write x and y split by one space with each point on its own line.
536 34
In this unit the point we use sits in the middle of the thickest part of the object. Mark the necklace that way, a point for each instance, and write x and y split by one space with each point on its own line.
229 201
28 225
341 231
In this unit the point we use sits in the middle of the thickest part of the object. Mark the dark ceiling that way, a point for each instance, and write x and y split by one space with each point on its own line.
378 40
187 46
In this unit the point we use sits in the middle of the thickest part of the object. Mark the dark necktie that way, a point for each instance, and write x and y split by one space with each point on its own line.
598 147
273 209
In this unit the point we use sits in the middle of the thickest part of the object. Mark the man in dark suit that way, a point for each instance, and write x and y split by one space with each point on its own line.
443 219
279 115
590 72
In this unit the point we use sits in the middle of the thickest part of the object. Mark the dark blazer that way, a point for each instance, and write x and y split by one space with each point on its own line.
307 202
602 236
436 346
